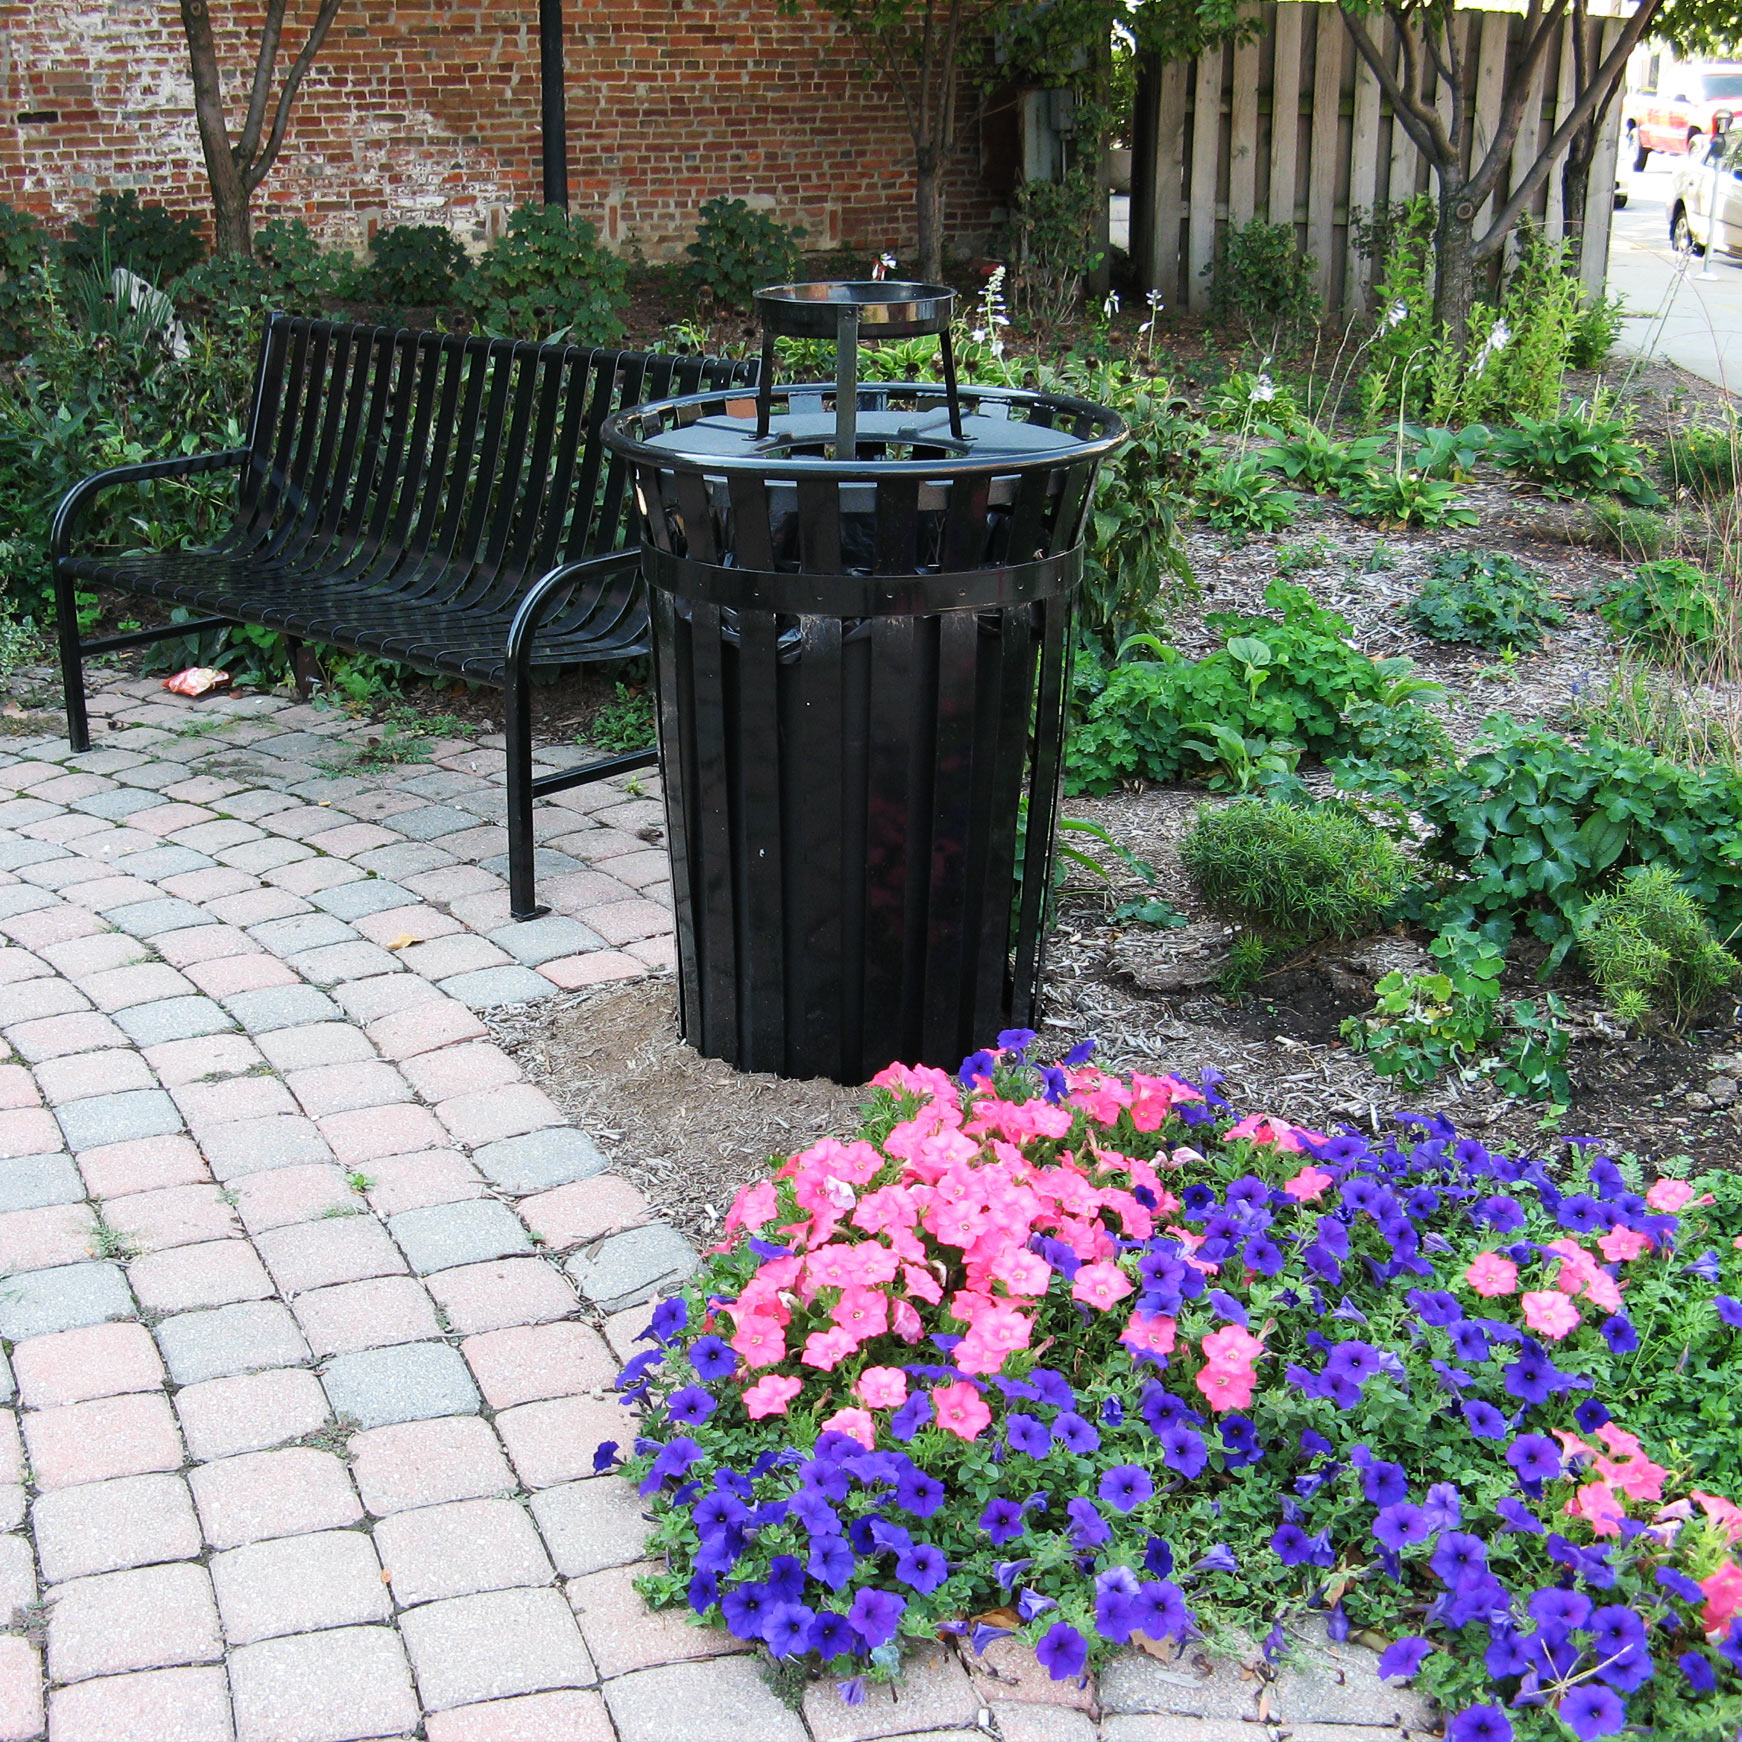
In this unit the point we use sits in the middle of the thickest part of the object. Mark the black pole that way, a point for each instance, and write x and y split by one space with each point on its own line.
553 109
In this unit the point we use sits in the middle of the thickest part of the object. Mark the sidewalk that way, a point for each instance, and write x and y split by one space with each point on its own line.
313 1303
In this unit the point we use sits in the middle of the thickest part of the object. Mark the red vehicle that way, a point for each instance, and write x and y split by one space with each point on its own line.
1680 114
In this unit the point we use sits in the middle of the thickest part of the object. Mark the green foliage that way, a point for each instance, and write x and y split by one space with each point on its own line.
547 277
1246 396
624 723
1448 453
1261 281
1294 873
1703 459
1638 534
738 250
1664 606
1578 452
288 270
23 247
1054 232
1484 597
1653 952
1314 458
1397 734
1236 496
1397 497
1244 765
1533 826
1455 1019
414 265
1139 722
147 239
1295 559
1595 330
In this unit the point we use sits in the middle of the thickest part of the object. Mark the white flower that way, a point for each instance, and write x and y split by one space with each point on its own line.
1263 391
1111 306
1397 314
1153 298
1496 341
978 335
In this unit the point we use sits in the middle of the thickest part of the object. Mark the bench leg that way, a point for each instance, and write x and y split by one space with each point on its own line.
522 898
72 669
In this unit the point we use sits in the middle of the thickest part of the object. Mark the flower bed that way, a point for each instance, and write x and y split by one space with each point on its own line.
1049 1353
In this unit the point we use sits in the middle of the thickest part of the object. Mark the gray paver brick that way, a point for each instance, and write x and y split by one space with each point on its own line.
488 988
540 1160
342 1682
150 919
407 1382
25 897
248 1337
355 900
157 863
117 803
469 1232
302 931
432 822
543 940
495 1645
333 963
281 1007
257 1145
30 1181
295 1584
403 859
633 1266
101 1527
15 855
173 1019
257 857
62 1299
591 1525
117 1118
546 862
721 1701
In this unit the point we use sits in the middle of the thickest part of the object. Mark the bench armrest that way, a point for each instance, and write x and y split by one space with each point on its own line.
85 492
538 596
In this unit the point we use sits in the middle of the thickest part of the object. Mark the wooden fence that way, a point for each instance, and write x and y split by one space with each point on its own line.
1209 151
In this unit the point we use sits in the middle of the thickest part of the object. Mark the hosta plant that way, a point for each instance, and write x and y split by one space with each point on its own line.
1050 1353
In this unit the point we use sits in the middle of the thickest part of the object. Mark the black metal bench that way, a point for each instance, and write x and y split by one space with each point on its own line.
441 501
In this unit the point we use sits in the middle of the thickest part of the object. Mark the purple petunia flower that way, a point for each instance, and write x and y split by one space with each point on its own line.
923 1567
1159 1610
1063 1651
1458 1557
1184 1451
1002 1521
604 1456
1088 1528
1590 1711
1402 1658
1479 1724
1219 1559
1730 1646
704 1591
1484 1420
1027 1434
1125 1487
1697 1668
787 1630
1679 1584
1384 1484
1469 1341
1619 1334
918 1492
1291 1545
831 1561
747 1609
1535 1457
1590 1415
1399 1525
976 1068
1531 1377
1443 1509
830 1635
1615 1628
1032 1603
1729 1310
713 1357
1559 1610
1501 1213
1158 1557
1081 1053
1705 1267
875 1615
1075 1434
852 1691
1053 1387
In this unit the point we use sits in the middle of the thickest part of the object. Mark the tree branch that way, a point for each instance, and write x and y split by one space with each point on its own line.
1598 92
1403 106
1519 87
256 171
271 30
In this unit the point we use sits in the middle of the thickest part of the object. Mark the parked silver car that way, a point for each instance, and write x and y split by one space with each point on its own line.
1691 227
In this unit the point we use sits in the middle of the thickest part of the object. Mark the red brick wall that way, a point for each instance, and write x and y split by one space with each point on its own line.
429 114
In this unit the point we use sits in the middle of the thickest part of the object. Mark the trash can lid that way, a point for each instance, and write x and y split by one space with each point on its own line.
888 308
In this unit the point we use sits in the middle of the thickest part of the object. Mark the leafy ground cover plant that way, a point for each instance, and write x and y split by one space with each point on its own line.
1047 1353
1704 459
1448 453
1578 452
1484 597
1236 496
1296 873
1316 460
548 277
1653 952
623 723
1245 396
413 265
738 249
1665 606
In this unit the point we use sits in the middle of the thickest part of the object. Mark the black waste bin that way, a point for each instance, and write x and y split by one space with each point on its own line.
862 667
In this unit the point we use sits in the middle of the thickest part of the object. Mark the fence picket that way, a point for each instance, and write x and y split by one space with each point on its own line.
1206 161
1285 113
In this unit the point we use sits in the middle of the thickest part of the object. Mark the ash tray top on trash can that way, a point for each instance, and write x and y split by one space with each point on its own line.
895 309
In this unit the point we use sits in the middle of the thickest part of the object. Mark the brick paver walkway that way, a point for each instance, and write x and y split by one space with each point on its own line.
312 1303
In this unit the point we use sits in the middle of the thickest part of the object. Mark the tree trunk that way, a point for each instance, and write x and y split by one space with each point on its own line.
928 201
1455 264
230 221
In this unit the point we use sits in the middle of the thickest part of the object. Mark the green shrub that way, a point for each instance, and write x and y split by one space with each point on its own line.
288 270
1704 460
1638 534
1296 873
23 247
1578 452
147 239
1292 686
1594 333
1486 598
413 265
1653 952
737 250
1236 496
1533 826
1395 497
1260 280
1664 606
1397 734
548 277
1055 234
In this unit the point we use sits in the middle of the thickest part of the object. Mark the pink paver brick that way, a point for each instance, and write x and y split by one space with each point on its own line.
485 912
231 974
206 1104
77 1366
110 1436
255 907
11 1449
283 1195
420 924
223 1417
466 1069
509 1111
330 1250
344 1088
21 1693
38 1239
72 1079
216 1055
150 1618
165 819
211 884
17 1089
342 1682
329 1578
173 1216
265 1494
52 925
638 870
439 1023
53 1036
366 1315
534 1361
587 1210
308 876
204 943
1008 1670
575 890
102 1527
142 1164
16 965
121 988
413 1182
367 1001
90 954
353 838
314 1044
623 1634
158 1705
428 1463
554 1441
451 882
212 1274
568 1715
501 1293
32 1000
571 973
28 1131
498 1643
459 1549
656 953
373 1132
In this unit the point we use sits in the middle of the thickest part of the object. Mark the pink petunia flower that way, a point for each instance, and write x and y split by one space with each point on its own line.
1308 1185
1233 1346
1550 1313
961 1410
1100 1285
770 1395
1226 1387
856 1423
1669 1195
905 1322
1154 1334
1723 1597
882 1388
759 1340
1492 1275
826 1349
1621 1244
753 1207
1597 1505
